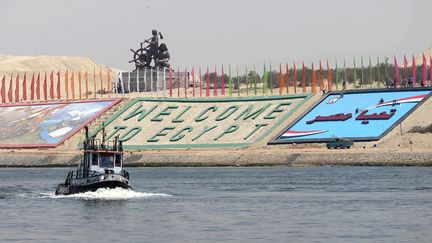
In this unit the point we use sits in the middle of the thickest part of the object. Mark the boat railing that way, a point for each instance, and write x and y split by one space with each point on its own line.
91 173
96 144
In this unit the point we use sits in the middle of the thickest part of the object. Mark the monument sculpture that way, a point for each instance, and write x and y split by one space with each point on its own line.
158 53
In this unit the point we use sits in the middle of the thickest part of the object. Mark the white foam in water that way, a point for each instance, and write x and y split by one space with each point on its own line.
108 194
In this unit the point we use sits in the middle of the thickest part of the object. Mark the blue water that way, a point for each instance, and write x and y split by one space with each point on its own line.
277 204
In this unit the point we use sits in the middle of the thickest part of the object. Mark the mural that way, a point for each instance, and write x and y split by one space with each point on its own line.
359 115
46 125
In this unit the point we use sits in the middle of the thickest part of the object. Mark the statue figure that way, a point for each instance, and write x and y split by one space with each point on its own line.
153 51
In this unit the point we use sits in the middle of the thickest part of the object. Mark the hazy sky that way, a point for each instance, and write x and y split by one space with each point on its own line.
219 31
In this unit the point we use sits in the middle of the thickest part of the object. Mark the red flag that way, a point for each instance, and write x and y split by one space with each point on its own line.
32 88
295 79
287 75
314 81
200 77
207 83
396 84
86 85
321 77
193 82
414 71
79 84
185 82
38 87
405 67
304 78
3 90
52 85
17 89
281 81
329 79
24 87
425 74
223 81
215 83
45 88
10 90
58 85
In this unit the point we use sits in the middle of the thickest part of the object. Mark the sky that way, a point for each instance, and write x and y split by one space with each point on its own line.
208 33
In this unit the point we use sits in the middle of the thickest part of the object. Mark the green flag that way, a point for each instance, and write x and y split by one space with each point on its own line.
270 73
355 74
229 80
378 71
345 76
238 83
370 72
265 81
362 73
247 81
255 81
337 75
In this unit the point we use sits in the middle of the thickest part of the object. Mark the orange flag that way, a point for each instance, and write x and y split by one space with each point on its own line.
17 89
321 77
101 81
109 83
94 82
287 78
329 79
304 78
295 79
67 84
314 80
79 84
73 85
281 81
86 85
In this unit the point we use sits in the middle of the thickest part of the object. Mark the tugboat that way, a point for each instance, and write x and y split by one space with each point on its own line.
100 167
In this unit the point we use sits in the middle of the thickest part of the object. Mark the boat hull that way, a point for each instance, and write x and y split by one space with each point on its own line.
89 185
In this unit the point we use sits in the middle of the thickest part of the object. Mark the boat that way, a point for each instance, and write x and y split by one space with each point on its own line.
101 167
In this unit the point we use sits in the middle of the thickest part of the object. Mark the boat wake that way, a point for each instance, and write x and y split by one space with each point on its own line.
102 194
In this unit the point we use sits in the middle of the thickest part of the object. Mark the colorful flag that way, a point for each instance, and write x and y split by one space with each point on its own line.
223 82
10 90
38 87
265 80
303 78
72 80
207 83
295 79
3 90
329 78
287 77
52 85
414 71
281 81
58 86
32 88
45 87
396 84
314 80
229 81
17 89
24 87
321 79
425 74
66 84
215 82
170 80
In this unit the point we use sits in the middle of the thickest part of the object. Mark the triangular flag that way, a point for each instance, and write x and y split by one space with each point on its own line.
52 85
45 88
24 87
17 89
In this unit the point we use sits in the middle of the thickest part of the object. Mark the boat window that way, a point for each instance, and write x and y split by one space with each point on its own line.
95 159
118 160
107 160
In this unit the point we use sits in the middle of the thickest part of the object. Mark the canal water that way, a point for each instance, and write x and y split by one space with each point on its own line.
254 204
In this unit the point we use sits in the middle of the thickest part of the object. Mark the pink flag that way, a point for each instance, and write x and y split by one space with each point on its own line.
185 82
170 80
45 88
223 82
405 67
200 78
38 87
396 73
414 71
32 87
425 74
10 90
215 83
193 82
207 83
58 84
24 87
17 89
52 85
